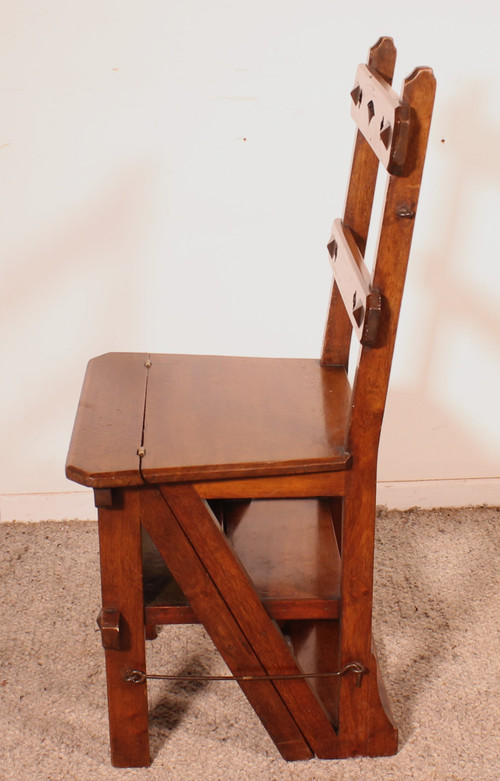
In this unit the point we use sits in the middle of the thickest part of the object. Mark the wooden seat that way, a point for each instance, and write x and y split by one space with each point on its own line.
206 416
240 492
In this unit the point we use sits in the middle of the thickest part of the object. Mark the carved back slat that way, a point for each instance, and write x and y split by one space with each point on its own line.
362 302
357 214
382 118
370 305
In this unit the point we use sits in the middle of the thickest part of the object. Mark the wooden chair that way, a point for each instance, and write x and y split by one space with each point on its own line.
255 480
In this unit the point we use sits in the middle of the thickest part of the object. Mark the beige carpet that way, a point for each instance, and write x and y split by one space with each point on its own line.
436 620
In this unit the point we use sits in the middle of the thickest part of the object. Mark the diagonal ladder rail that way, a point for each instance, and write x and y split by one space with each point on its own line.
232 613
190 574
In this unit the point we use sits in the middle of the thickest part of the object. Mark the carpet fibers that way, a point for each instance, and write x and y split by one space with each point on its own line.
437 627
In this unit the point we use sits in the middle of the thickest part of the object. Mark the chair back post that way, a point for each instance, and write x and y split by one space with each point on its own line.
368 399
392 254
357 213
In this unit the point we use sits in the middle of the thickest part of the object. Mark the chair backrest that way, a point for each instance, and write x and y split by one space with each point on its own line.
392 133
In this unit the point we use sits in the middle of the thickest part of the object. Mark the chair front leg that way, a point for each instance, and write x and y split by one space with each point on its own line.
122 624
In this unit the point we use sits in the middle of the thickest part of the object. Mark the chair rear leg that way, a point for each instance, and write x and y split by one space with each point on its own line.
365 723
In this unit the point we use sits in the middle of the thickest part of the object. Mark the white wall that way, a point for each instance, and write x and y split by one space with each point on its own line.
169 172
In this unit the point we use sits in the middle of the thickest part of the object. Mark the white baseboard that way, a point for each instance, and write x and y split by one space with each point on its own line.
67 505
472 491
79 505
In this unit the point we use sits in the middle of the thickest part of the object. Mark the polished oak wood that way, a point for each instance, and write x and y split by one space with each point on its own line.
108 426
204 417
212 608
289 550
288 547
240 492
316 645
368 403
238 591
282 486
122 593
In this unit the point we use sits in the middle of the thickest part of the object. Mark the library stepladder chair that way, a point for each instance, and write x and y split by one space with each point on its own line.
250 483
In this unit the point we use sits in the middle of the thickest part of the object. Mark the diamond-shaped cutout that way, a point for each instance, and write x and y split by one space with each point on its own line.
385 134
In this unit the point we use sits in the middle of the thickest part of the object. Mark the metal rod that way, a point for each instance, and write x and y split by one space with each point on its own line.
138 676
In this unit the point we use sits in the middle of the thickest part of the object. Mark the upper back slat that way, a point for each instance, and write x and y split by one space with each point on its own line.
382 118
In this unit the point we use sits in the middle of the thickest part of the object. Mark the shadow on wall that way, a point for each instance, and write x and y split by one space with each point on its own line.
76 289
447 424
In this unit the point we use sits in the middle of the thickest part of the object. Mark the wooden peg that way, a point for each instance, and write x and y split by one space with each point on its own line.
108 621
